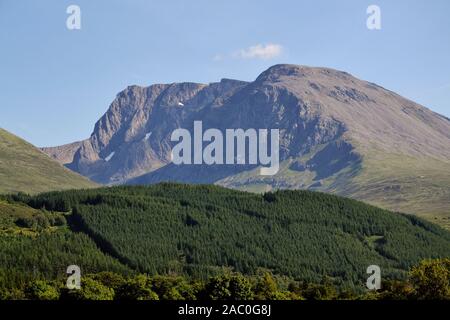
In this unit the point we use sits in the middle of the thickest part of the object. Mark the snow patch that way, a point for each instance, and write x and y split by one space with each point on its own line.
110 156
180 104
147 136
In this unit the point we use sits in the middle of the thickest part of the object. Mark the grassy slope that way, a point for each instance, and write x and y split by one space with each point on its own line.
406 184
9 213
419 186
23 168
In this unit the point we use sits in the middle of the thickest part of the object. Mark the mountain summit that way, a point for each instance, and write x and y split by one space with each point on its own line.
338 134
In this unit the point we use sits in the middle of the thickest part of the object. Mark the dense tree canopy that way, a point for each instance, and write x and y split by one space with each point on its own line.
203 232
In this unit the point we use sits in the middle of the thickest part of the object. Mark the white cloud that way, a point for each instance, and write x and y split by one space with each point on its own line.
260 51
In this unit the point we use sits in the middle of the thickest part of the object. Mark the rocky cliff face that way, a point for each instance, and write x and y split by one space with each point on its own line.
337 134
133 137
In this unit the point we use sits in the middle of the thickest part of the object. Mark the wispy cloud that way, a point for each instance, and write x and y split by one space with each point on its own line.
258 51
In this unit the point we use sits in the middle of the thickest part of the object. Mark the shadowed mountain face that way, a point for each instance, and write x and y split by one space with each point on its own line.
338 134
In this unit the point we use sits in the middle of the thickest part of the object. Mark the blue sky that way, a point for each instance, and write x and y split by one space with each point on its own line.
55 83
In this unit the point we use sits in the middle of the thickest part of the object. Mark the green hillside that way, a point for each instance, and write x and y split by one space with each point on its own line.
391 181
24 168
197 231
38 244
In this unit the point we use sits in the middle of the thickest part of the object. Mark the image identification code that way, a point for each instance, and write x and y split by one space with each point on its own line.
241 309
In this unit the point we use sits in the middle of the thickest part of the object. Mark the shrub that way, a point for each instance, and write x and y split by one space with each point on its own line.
431 279
229 287
41 290
90 290
138 288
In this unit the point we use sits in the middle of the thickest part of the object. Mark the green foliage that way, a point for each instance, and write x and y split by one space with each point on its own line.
431 279
232 286
427 281
206 232
266 288
174 288
41 290
312 291
109 279
395 290
193 230
90 290
229 287
12 294
138 288
37 222
47 255
319 292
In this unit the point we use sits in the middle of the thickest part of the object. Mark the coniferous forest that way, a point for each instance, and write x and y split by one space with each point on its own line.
173 241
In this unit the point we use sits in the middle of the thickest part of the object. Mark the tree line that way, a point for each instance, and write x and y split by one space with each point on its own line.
428 280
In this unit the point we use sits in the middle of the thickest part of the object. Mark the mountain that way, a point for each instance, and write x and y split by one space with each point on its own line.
338 134
24 168
202 230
